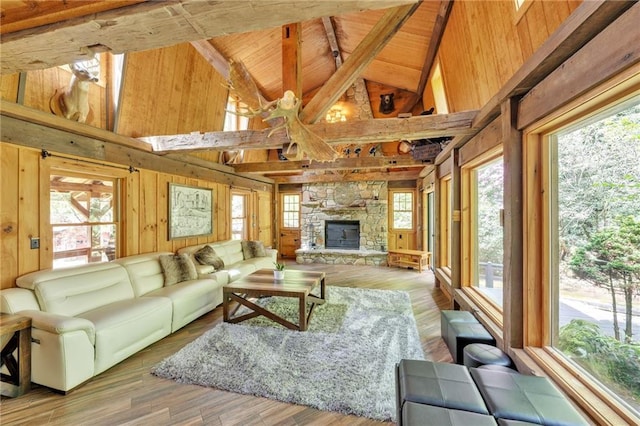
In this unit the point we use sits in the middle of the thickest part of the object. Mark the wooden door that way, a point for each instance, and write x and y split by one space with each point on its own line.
265 218
289 243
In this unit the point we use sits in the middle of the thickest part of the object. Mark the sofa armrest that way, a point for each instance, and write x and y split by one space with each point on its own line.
14 300
60 324
273 253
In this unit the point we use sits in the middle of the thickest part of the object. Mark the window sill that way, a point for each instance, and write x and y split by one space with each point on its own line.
587 394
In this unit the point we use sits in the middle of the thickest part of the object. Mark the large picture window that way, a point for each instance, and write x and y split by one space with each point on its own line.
83 219
595 253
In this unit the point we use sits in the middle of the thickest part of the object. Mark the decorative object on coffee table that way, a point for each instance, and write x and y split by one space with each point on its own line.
278 273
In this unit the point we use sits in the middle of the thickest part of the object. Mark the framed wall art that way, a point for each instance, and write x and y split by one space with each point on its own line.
190 211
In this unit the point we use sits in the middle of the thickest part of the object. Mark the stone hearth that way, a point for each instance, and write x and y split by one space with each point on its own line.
365 202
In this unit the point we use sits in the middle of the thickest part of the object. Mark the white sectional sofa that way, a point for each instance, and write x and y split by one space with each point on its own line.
235 264
86 319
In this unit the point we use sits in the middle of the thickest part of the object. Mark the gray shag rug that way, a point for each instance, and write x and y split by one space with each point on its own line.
345 362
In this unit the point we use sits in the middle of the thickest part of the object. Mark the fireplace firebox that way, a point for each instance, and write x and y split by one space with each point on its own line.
342 234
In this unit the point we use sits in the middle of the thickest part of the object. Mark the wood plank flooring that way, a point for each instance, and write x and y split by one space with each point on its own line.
127 394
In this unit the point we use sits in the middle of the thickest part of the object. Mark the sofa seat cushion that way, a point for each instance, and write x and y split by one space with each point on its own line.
239 270
525 398
191 299
260 263
125 327
440 384
421 414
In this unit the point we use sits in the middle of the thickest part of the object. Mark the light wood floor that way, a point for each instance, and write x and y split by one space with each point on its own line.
128 394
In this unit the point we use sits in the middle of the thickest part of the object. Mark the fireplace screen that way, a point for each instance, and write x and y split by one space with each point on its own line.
342 234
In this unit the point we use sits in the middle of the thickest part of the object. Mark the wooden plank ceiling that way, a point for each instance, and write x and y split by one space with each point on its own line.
38 35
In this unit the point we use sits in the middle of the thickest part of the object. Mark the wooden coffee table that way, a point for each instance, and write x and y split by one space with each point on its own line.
297 284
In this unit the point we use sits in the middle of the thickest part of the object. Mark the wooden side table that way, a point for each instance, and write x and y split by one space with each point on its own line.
15 336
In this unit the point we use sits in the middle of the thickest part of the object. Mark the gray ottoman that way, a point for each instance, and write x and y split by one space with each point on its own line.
479 354
436 383
461 334
524 398
449 317
420 414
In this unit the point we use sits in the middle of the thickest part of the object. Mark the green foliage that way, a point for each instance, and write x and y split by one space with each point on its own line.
602 355
279 266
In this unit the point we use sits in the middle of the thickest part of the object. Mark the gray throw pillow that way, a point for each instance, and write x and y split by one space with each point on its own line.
207 256
251 249
177 268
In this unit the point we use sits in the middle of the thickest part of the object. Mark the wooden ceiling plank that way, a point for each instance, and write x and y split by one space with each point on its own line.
361 57
156 24
350 132
352 163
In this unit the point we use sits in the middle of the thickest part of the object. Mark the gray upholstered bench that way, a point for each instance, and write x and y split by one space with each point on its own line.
441 393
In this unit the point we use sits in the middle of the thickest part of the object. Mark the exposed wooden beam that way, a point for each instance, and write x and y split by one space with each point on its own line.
329 29
212 55
361 57
348 177
434 44
27 130
352 132
585 23
353 163
156 24
292 59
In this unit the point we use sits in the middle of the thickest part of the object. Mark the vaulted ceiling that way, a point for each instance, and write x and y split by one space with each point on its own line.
397 57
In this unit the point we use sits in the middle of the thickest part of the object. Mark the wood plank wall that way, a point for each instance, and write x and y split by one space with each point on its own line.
144 209
485 42
182 94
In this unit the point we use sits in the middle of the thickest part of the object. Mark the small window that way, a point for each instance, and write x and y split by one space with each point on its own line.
239 226
83 220
402 210
232 120
439 94
291 210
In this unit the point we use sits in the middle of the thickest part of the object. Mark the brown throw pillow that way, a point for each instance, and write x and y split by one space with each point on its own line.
177 268
207 256
251 249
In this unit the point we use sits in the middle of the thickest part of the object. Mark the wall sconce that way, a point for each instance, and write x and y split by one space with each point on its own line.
335 114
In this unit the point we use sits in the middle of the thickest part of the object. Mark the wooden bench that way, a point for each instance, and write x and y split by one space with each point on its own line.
409 258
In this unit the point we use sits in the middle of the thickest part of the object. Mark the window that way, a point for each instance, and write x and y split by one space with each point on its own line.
446 205
233 121
402 210
83 219
439 94
239 225
291 210
595 247
487 186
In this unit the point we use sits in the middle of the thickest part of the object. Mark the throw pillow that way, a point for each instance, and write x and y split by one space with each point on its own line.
207 256
251 249
177 268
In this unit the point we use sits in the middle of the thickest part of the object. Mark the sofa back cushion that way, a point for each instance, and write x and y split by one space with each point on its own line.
72 291
230 251
144 271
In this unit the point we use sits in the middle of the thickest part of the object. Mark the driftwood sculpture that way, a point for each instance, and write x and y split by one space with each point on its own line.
287 109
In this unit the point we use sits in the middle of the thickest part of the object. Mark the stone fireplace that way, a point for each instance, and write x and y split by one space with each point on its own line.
342 234
358 209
